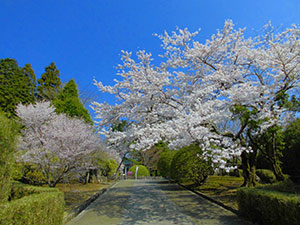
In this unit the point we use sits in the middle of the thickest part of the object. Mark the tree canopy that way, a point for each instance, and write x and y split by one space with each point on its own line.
222 92
49 84
17 85
68 102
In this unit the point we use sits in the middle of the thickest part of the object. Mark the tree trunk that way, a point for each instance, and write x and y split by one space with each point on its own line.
277 171
249 167
87 177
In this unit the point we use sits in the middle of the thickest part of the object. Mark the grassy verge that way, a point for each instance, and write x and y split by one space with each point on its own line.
76 194
222 189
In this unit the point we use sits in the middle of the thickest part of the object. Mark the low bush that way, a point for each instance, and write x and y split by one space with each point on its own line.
19 190
33 205
266 176
286 186
188 165
142 171
269 207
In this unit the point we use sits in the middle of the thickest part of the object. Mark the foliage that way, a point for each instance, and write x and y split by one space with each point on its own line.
49 84
164 163
28 173
56 144
271 145
269 207
286 186
149 157
17 85
222 92
291 154
266 176
33 205
107 167
142 171
188 164
67 101
8 133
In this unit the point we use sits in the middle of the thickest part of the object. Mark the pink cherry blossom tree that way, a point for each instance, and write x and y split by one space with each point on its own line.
220 93
55 143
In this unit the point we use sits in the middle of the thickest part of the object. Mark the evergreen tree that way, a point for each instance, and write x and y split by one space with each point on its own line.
49 83
31 79
67 101
17 85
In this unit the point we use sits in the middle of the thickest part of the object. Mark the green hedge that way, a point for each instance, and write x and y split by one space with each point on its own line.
269 207
142 171
20 190
266 176
40 206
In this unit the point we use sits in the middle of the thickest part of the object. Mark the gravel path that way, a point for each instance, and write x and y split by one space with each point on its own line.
155 202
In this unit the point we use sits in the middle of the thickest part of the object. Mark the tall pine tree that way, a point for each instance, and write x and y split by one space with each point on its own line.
49 84
67 101
17 85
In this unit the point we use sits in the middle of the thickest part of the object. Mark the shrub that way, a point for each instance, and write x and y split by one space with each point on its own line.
164 163
189 165
266 176
291 155
28 174
269 207
33 205
142 171
286 186
8 132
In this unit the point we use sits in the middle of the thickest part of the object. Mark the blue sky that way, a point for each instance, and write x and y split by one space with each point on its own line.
85 38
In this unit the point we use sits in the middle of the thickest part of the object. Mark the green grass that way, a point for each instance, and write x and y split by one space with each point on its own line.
76 194
221 188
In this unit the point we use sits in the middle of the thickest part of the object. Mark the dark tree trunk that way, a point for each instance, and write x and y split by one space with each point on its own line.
249 168
277 171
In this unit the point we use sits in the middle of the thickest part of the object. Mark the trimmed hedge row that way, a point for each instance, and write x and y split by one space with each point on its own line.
266 176
40 206
269 207
19 190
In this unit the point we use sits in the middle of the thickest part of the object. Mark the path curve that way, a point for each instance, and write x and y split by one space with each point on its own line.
155 202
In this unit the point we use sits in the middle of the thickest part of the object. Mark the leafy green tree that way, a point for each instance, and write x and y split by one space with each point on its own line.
291 155
164 162
67 101
188 164
17 85
49 84
105 165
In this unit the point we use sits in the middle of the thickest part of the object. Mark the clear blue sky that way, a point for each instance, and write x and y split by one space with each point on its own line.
84 38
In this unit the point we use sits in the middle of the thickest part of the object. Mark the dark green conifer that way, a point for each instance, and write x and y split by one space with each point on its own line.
17 85
49 84
67 101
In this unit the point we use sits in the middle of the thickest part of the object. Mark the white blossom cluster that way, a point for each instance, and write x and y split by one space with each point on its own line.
190 96
55 143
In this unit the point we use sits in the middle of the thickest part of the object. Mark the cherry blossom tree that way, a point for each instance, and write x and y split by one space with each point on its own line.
220 93
55 143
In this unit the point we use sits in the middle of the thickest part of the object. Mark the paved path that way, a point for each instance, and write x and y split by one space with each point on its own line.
153 202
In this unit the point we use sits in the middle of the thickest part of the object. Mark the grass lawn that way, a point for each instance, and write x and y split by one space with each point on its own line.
76 194
222 189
